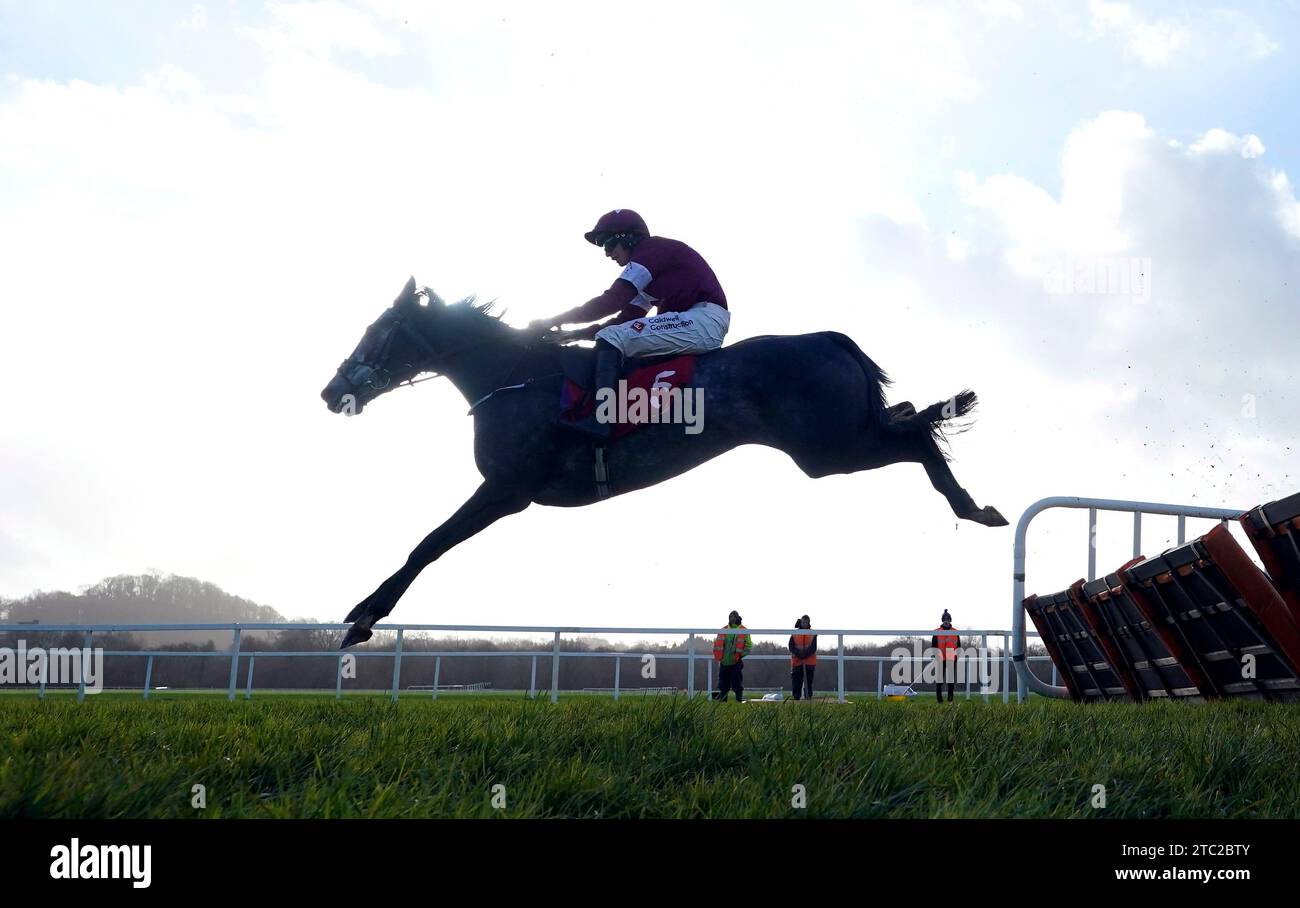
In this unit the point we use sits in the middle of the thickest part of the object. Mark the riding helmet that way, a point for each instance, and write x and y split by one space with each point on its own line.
618 221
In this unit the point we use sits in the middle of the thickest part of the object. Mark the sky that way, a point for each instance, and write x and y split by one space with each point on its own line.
203 206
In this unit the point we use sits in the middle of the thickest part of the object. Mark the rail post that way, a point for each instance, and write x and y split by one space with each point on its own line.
437 670
86 656
148 674
1092 543
986 666
234 665
840 665
1006 669
555 670
618 668
338 679
532 681
690 667
248 688
397 663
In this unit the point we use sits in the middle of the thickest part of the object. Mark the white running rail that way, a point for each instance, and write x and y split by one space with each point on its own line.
699 648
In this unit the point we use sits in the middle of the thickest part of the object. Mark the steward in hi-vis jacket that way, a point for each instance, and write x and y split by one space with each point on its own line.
946 642
803 659
729 651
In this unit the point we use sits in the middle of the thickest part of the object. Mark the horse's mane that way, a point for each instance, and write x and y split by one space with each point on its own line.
472 318
473 305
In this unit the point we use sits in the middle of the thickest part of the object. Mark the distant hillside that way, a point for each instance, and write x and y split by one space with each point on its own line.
140 599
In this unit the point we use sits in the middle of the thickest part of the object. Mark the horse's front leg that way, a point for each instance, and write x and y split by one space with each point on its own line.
491 502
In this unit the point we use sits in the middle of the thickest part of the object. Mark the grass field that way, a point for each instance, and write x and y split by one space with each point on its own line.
285 756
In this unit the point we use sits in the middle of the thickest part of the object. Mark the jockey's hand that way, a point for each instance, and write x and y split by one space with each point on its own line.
552 336
541 325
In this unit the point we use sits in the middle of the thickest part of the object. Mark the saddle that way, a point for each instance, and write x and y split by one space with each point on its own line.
579 363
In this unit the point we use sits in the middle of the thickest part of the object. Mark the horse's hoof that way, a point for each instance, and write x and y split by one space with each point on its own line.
995 517
987 516
357 633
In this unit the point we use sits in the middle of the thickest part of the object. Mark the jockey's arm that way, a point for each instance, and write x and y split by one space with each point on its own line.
628 313
616 298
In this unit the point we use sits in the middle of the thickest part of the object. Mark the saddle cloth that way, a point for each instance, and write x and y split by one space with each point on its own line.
578 399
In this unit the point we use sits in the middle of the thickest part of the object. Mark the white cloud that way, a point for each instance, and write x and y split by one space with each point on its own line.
1105 165
1001 9
1214 232
1198 33
1219 141
1153 42
321 28
1240 31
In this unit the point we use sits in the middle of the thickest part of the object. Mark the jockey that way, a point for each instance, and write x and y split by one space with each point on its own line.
658 273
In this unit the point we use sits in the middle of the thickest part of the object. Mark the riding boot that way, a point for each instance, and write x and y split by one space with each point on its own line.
609 360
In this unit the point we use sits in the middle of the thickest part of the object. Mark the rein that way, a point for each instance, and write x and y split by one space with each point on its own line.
523 384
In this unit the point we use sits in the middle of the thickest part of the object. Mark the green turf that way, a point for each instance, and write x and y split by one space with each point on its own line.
652 757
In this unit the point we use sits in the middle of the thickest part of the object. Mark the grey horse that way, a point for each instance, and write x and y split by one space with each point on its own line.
817 397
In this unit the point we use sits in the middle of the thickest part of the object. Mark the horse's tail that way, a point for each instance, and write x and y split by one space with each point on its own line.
931 420
877 380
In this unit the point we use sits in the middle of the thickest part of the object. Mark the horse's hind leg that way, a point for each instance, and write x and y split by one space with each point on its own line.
936 467
918 446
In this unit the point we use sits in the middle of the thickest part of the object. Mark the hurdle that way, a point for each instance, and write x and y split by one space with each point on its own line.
1026 681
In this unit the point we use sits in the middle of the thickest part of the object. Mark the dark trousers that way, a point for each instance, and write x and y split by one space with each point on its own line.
801 680
947 678
730 677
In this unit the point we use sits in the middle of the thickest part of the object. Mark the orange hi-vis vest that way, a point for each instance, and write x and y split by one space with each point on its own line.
802 640
948 641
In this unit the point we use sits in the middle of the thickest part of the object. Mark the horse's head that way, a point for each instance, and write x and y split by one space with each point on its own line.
394 349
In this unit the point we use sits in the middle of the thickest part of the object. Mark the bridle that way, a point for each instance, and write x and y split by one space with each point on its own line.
378 376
